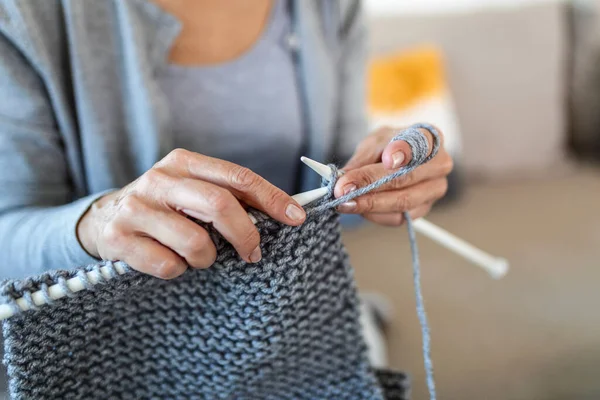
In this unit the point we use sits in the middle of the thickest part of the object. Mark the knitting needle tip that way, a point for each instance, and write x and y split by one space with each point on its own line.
305 198
319 168
497 267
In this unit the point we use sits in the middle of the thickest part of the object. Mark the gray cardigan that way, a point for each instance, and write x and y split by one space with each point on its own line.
81 111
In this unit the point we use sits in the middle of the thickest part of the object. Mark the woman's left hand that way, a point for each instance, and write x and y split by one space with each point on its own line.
415 192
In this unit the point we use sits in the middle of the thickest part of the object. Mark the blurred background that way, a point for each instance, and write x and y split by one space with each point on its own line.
515 85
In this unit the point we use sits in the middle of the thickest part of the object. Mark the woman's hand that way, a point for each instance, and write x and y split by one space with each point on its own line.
415 192
144 224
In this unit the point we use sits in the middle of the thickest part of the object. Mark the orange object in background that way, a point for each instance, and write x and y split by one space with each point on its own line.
401 80
410 86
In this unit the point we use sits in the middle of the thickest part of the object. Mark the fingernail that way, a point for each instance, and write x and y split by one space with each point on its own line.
349 188
397 159
256 255
347 206
294 212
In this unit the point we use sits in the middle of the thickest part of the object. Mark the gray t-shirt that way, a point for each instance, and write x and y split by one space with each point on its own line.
246 111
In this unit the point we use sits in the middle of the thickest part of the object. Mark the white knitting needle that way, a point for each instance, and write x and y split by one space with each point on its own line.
497 267
316 166
303 198
56 292
74 284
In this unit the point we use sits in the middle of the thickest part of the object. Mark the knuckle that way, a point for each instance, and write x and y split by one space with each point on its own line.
404 181
242 178
196 241
366 204
113 234
271 202
196 244
404 202
131 206
220 200
177 156
362 178
153 178
168 269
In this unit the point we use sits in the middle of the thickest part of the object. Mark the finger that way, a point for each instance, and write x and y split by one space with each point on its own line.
370 149
213 204
439 166
243 183
397 200
150 257
186 238
397 219
398 153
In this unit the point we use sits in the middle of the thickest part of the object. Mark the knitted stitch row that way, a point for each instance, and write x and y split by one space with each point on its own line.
284 328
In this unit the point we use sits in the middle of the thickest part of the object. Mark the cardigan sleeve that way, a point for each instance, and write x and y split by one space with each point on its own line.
352 124
37 215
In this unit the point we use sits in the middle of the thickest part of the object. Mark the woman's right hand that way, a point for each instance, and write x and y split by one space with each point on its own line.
144 224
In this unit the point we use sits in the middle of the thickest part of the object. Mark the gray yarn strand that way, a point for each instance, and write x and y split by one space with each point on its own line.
425 336
284 328
419 147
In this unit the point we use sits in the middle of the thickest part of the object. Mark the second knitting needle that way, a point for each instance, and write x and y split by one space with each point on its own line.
75 284
497 267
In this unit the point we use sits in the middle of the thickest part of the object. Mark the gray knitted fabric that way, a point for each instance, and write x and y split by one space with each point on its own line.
285 328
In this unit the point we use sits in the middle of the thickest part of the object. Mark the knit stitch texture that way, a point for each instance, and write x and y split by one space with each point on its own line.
284 328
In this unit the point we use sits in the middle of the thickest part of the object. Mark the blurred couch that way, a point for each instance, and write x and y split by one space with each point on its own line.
508 73
584 89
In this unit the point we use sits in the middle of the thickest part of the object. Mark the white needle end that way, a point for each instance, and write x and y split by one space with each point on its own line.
319 168
497 267
305 198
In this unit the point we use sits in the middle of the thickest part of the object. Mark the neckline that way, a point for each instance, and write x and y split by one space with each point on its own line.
266 32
